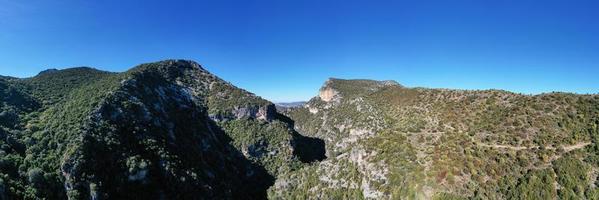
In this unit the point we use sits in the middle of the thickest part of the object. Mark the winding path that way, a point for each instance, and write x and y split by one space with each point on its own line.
568 148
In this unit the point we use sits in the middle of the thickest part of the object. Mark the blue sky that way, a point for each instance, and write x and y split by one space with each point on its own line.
284 50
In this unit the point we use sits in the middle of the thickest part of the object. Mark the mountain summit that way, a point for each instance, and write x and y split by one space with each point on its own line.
335 88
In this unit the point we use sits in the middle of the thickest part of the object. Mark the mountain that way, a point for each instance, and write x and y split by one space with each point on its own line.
173 130
164 130
386 141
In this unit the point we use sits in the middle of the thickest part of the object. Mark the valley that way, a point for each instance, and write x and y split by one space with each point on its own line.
173 130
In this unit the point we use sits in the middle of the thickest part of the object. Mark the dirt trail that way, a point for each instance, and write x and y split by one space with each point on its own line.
568 148
576 146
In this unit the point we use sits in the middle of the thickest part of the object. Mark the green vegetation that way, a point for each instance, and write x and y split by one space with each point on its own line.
171 129
538 184
357 87
572 176
37 110
455 144
405 177
145 133
264 143
224 98
307 183
54 87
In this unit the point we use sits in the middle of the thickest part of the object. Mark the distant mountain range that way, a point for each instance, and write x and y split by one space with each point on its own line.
291 104
172 130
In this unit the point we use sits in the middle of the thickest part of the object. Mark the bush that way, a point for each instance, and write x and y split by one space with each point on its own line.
35 176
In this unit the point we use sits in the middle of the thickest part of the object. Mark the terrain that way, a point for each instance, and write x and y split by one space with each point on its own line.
173 130
387 141
164 130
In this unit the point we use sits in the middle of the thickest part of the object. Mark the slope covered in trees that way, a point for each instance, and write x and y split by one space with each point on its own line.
386 141
172 130
160 130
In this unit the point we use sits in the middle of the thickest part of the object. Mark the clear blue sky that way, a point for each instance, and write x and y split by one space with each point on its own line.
284 50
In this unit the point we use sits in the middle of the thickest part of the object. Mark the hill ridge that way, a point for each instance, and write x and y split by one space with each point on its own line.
168 127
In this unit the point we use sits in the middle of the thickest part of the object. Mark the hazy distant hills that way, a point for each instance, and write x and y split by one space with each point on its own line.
285 107
291 104
172 130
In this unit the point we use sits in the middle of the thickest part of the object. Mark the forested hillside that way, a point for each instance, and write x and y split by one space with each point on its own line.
160 130
386 141
172 130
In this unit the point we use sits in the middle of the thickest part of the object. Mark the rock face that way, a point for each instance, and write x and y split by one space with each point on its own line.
267 112
328 94
335 89
343 120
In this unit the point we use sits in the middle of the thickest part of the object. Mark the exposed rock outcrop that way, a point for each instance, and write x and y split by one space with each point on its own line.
266 113
328 94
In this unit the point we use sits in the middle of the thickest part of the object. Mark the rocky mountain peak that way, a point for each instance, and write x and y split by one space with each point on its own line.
328 94
335 89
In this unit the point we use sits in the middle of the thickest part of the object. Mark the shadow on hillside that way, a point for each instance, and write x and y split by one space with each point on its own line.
307 149
257 180
157 153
